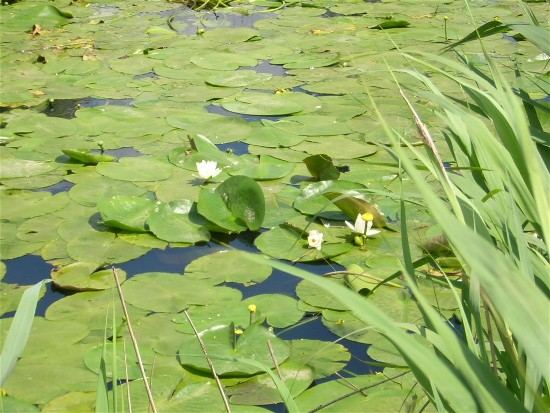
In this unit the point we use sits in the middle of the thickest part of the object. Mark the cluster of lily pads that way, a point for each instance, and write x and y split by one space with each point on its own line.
310 185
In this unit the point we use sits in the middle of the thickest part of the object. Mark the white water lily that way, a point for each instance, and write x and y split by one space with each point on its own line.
315 239
363 225
208 169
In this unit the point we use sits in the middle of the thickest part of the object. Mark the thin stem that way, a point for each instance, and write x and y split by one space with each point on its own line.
203 347
274 359
358 390
134 342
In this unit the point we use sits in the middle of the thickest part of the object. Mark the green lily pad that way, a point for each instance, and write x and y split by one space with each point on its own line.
236 204
207 316
262 390
318 297
262 104
126 212
83 276
170 293
324 357
103 248
136 169
87 157
222 61
263 168
212 207
289 244
279 310
239 78
321 167
226 266
22 168
226 349
391 24
46 16
171 222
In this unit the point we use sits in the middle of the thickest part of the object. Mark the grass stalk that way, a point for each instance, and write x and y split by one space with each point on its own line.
135 344
210 364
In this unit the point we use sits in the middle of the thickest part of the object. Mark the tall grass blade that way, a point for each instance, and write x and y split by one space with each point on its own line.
19 331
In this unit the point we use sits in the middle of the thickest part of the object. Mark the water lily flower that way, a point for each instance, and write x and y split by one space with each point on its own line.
208 169
363 225
252 308
315 239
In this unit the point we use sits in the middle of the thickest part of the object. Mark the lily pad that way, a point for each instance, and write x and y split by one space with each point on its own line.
245 199
136 169
264 168
87 157
280 310
239 78
261 389
222 61
82 276
227 350
22 168
126 212
262 104
171 222
226 266
170 293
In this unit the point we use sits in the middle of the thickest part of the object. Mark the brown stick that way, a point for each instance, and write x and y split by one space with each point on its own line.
134 342
203 347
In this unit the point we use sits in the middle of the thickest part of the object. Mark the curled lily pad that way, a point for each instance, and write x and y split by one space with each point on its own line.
84 276
390 24
321 167
87 157
236 205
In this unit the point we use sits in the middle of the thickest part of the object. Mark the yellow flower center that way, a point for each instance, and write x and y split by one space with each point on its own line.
367 216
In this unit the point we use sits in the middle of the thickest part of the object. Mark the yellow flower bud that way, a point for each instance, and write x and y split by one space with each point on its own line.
252 308
238 331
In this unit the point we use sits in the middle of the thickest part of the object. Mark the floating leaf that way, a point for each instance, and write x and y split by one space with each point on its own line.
226 266
212 207
245 199
325 357
289 244
126 212
321 167
222 61
262 390
262 104
280 310
226 350
136 169
103 248
87 157
264 168
238 79
390 24
171 293
171 222
46 16
83 276
22 168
